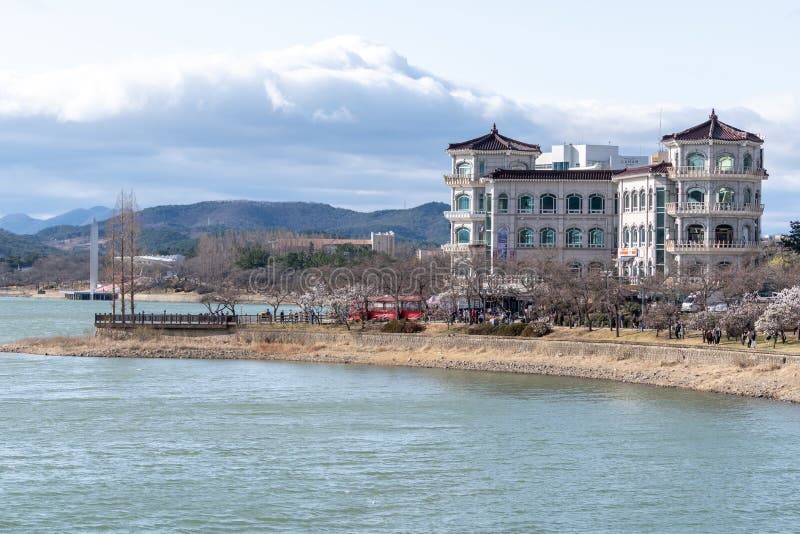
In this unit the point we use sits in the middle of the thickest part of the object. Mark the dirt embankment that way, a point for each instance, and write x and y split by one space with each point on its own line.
742 376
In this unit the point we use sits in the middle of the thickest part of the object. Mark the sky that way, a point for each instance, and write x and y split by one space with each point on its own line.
353 103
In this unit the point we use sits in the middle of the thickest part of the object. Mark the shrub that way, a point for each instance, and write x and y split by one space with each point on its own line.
539 328
535 329
483 329
513 329
402 326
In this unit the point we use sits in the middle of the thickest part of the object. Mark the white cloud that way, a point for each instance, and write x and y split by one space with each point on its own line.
341 114
345 118
279 102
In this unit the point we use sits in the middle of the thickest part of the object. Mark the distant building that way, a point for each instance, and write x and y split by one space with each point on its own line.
383 242
424 254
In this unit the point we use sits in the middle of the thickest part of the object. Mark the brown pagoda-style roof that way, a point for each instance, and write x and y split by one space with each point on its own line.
506 174
664 166
713 128
494 141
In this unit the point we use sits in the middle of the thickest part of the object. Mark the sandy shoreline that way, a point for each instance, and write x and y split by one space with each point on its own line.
743 377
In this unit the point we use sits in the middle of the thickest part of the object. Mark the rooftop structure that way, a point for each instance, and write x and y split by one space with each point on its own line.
570 156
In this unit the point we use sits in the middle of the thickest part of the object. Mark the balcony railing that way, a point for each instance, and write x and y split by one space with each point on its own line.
712 246
465 214
717 171
714 208
461 179
463 247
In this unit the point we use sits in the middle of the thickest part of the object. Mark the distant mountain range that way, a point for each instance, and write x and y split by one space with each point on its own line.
175 228
19 223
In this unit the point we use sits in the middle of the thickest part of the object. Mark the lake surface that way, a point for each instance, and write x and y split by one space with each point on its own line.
124 445
93 444
36 317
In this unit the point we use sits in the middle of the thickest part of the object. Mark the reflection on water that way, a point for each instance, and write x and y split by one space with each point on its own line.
105 444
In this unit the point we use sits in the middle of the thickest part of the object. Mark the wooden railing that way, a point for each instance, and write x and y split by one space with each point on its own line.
201 321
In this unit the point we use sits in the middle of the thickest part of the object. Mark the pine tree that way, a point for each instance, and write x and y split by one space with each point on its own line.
792 241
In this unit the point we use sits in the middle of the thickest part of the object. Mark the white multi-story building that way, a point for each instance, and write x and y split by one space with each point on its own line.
700 206
569 156
712 200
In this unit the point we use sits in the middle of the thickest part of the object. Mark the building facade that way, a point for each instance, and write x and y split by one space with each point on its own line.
697 205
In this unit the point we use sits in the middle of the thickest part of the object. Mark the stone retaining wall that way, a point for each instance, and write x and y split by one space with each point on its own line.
542 347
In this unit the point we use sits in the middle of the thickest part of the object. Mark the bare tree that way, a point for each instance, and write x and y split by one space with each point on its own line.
123 247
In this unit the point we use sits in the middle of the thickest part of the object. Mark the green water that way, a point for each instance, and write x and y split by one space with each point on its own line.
123 445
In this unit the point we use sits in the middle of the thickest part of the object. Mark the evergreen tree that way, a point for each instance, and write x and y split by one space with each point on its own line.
792 241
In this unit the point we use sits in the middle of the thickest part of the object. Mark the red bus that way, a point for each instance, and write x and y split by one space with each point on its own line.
385 308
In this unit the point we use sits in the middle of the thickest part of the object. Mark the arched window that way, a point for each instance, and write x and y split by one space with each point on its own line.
634 237
462 203
462 235
696 160
652 199
547 237
746 233
596 238
488 204
725 163
626 237
725 196
574 238
525 238
627 201
502 203
464 169
695 233
575 267
748 162
525 204
518 166
642 236
695 195
723 265
642 200
634 201
595 267
547 203
597 204
574 203
481 202
746 197
723 234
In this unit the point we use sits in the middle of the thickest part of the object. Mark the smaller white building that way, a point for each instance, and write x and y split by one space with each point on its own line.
593 157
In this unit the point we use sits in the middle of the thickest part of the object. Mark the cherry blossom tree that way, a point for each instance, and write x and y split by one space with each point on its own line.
781 315
741 318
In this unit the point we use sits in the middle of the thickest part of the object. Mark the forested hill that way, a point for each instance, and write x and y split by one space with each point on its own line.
424 224
21 249
174 229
